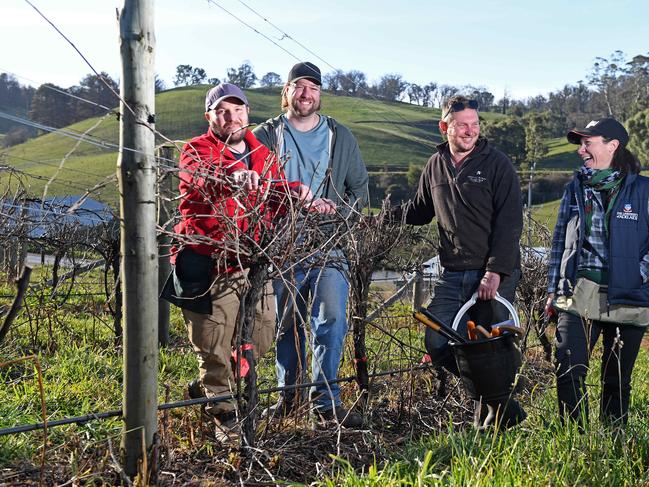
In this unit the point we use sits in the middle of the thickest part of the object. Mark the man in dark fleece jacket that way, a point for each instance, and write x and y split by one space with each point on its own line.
473 190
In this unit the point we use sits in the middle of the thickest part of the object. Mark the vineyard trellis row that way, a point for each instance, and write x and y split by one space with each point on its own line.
366 249
86 247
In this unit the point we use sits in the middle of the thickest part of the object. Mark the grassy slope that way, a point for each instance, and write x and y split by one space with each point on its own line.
383 136
390 134
561 156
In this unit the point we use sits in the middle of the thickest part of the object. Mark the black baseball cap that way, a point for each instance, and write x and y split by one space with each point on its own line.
305 70
608 127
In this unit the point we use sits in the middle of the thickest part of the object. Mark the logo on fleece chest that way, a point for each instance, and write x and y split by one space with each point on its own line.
476 177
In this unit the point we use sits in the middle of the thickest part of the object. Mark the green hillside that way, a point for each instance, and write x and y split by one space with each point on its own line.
561 156
390 134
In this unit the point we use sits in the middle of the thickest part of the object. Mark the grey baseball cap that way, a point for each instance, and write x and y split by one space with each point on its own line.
219 93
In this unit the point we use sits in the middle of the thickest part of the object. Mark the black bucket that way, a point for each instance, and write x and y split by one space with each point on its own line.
488 367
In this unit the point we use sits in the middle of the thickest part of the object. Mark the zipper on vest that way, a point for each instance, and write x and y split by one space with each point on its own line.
608 303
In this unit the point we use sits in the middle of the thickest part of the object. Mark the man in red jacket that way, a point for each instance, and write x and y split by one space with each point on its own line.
231 189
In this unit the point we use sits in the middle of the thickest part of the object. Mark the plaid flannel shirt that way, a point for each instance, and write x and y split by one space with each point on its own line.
558 242
594 251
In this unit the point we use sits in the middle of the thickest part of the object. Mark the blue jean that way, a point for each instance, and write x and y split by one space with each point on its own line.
328 289
450 292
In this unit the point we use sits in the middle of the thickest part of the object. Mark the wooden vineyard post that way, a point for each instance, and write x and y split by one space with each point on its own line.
139 252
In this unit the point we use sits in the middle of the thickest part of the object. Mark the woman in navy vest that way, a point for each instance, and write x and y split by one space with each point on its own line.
599 271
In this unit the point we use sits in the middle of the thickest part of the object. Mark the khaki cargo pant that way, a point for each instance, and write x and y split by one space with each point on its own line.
213 336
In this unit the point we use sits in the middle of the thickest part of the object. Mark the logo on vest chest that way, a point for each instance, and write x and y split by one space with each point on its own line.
627 213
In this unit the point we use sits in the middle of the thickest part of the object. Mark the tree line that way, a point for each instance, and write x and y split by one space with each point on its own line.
390 87
613 86
15 99
52 105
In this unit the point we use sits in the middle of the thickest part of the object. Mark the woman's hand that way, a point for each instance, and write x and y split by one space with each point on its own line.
549 309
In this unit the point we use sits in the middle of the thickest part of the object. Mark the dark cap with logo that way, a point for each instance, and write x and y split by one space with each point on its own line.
221 92
305 70
608 127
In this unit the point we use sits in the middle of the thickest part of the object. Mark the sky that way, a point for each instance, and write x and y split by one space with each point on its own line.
523 48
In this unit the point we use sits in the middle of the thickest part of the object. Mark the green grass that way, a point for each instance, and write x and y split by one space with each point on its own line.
82 373
82 369
539 452
546 214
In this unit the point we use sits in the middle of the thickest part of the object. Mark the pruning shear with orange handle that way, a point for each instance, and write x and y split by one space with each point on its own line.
424 317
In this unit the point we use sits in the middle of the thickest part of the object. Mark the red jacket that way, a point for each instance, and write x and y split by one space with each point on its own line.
217 214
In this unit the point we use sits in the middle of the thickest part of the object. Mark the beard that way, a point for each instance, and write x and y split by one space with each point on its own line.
230 135
304 111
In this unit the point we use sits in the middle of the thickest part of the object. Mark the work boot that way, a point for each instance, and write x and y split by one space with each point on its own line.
504 414
227 429
195 389
281 409
342 416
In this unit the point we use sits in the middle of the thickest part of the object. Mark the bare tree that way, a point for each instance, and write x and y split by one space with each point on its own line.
428 92
243 76
415 93
353 83
391 87
443 93
271 80
606 75
333 81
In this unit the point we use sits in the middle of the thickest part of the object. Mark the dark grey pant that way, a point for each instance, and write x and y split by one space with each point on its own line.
575 340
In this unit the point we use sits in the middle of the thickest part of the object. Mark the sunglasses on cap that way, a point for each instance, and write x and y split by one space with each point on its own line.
458 106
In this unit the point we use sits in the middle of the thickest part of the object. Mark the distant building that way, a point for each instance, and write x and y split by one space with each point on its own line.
35 219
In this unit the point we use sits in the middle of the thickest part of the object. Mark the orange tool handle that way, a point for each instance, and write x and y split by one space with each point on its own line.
450 334
470 326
